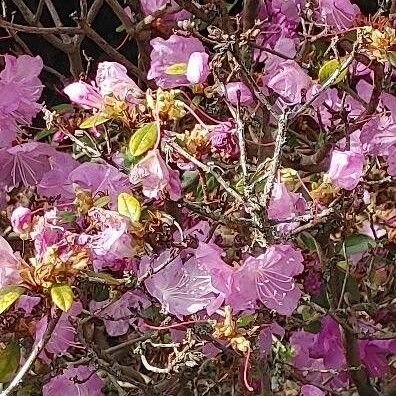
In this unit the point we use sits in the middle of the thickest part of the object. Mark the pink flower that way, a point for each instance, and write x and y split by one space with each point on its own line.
85 95
27 303
223 139
75 381
20 88
112 79
269 278
285 204
170 59
151 6
111 242
310 390
118 315
373 354
198 68
9 274
98 178
156 176
182 289
265 337
233 89
339 14
289 81
21 220
346 168
64 335
47 231
25 163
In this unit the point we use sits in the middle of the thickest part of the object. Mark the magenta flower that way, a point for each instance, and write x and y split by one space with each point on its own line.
9 274
156 176
289 81
112 242
55 182
170 61
233 89
98 178
338 14
223 139
118 315
285 204
346 168
373 353
311 390
64 335
85 95
21 220
112 79
27 303
265 337
20 89
151 6
25 163
182 289
269 279
75 381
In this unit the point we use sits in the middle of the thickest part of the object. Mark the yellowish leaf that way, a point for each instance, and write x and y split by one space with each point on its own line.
143 139
95 120
176 69
62 296
129 206
327 70
8 295
9 361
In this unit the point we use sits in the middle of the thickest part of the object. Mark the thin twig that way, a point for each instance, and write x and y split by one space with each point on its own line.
37 348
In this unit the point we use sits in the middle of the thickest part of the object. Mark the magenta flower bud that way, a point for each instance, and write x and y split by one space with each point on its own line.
85 95
231 92
198 67
21 220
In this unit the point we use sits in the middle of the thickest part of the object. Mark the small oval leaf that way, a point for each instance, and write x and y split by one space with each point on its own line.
327 70
9 361
143 139
8 295
94 120
102 201
129 206
62 296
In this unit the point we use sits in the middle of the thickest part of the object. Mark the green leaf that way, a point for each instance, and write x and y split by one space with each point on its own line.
43 134
102 201
69 217
63 108
129 206
176 69
103 277
328 69
94 120
307 240
120 28
231 6
8 295
143 139
245 320
358 243
392 58
9 361
62 296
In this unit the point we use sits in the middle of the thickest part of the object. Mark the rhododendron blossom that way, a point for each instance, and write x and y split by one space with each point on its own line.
197 197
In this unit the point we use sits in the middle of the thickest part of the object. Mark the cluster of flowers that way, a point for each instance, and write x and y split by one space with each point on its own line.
136 201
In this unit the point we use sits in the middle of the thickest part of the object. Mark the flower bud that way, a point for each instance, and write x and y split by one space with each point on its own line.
21 220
